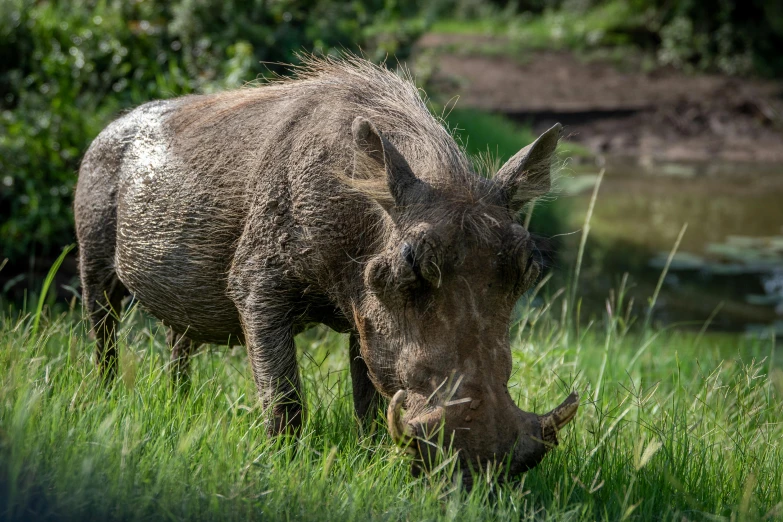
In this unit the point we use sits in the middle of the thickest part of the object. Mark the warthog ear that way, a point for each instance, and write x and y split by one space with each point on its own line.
374 153
527 174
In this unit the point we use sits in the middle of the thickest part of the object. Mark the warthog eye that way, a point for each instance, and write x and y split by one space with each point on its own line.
423 259
421 253
518 257
384 274
411 262
411 266
408 255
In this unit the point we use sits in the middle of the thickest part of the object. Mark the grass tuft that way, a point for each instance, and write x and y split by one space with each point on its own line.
45 288
684 425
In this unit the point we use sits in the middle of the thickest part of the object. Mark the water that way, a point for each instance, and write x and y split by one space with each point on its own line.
729 266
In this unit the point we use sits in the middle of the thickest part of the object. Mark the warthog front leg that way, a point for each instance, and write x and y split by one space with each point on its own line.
268 328
272 356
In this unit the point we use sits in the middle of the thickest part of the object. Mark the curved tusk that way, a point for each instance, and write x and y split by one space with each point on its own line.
400 432
556 419
563 414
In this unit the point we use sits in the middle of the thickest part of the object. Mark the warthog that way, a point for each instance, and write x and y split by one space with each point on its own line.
334 198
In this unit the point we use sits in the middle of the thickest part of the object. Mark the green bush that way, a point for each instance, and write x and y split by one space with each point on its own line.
731 36
70 67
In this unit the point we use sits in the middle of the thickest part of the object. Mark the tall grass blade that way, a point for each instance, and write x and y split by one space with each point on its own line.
45 288
529 216
654 299
707 323
585 233
605 359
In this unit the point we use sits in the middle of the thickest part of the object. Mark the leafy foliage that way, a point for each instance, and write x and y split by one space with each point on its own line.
70 67
729 36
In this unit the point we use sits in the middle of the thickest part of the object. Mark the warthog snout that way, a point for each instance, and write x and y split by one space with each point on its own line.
479 436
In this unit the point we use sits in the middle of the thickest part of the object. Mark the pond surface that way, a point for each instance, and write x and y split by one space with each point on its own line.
728 269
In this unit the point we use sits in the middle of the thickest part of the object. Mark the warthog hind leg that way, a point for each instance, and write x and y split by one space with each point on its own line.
102 294
182 347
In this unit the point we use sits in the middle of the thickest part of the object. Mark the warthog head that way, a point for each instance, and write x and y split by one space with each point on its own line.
439 296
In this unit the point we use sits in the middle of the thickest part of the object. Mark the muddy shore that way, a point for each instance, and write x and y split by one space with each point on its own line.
659 115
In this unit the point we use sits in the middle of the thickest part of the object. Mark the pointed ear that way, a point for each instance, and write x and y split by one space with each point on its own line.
527 174
376 153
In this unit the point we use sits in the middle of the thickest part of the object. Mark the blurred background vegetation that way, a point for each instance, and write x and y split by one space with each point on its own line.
736 37
70 67
67 68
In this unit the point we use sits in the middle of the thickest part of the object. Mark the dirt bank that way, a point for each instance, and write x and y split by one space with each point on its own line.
660 115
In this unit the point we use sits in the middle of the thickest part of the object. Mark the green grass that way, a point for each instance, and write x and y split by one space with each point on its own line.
610 32
680 427
600 25
673 425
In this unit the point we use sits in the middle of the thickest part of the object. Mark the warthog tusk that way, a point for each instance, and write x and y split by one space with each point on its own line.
556 419
401 433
